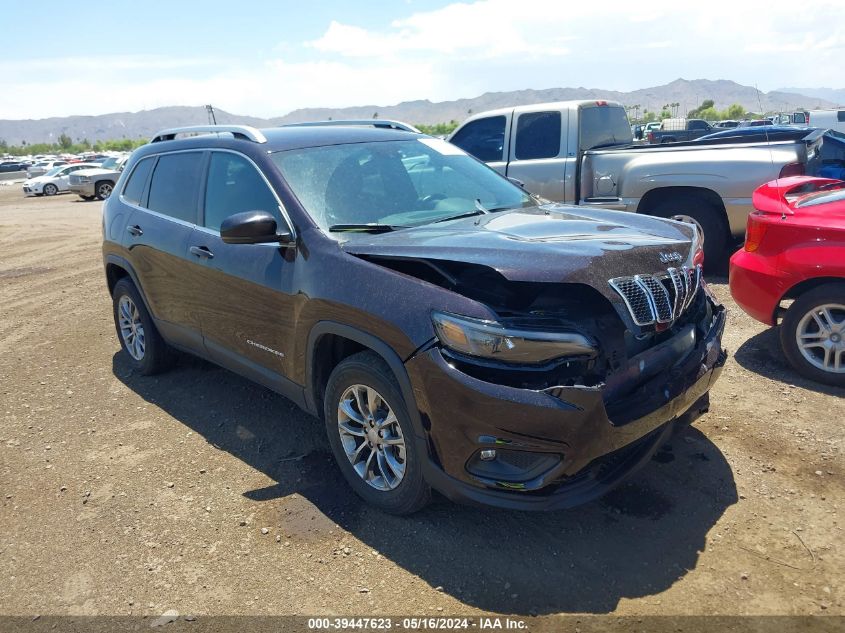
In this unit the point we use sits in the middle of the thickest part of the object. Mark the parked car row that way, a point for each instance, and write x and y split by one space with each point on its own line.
89 180
56 180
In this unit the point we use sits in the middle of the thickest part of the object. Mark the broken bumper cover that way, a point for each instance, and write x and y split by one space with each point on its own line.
568 444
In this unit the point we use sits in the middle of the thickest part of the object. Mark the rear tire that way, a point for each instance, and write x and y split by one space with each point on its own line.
88 198
146 351
388 476
799 323
712 221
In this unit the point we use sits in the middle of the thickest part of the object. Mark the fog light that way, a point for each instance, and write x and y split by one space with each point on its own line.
488 454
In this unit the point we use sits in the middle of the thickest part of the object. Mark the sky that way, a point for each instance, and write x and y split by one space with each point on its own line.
266 58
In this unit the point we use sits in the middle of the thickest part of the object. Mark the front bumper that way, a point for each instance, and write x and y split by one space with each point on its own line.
30 190
83 189
585 446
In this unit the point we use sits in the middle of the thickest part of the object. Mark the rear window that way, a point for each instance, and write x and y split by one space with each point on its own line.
175 184
134 188
602 126
823 197
537 135
483 138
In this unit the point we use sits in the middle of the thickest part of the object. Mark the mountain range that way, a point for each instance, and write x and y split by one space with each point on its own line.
688 94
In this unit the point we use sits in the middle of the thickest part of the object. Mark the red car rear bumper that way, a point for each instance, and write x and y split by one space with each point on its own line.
756 285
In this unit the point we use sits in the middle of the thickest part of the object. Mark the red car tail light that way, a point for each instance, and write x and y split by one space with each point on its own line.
792 169
651 137
755 231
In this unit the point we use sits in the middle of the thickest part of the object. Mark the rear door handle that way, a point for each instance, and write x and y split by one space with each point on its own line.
134 230
201 251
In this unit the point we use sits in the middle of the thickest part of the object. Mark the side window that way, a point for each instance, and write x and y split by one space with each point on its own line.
483 138
537 135
234 185
134 188
697 125
175 184
840 116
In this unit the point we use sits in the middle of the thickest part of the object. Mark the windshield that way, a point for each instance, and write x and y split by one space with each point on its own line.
109 163
394 183
54 171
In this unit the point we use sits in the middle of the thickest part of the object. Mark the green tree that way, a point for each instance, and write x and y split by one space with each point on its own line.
696 113
735 111
438 129
708 114
65 142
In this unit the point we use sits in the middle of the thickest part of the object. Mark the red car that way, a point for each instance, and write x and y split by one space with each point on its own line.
795 251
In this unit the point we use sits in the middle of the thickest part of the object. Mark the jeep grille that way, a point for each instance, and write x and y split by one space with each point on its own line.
659 298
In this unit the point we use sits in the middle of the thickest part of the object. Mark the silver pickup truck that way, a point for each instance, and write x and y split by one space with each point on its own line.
581 152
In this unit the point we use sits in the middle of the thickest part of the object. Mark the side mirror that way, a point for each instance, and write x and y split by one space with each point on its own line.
252 227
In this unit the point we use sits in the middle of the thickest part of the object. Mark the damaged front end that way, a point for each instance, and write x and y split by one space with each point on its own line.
564 393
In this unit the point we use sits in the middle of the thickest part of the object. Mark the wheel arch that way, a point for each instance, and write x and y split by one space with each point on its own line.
660 195
329 343
803 287
118 268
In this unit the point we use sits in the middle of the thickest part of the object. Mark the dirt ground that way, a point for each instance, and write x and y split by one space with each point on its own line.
200 492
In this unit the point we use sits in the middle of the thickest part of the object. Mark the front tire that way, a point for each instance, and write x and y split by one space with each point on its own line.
812 334
50 189
147 352
371 435
103 189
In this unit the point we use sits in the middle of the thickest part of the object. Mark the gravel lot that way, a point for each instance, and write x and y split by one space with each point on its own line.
200 492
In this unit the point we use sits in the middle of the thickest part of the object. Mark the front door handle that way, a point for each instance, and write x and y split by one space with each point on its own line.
201 251
134 230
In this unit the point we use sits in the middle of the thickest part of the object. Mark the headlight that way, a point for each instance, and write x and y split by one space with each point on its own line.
488 339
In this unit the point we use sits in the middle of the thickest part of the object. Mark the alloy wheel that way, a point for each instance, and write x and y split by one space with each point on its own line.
371 437
131 328
104 190
821 337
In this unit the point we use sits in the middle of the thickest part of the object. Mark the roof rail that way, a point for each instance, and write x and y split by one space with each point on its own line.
381 123
244 132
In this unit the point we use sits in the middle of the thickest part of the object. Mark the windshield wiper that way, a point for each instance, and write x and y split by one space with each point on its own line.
364 228
468 214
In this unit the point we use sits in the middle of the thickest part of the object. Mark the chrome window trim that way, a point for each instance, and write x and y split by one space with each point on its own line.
282 210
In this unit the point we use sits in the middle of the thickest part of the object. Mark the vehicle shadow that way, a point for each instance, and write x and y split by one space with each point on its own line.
635 542
762 354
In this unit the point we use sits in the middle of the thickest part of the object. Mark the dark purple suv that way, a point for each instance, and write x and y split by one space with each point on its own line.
452 331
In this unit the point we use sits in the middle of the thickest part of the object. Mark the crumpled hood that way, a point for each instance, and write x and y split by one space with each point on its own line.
552 243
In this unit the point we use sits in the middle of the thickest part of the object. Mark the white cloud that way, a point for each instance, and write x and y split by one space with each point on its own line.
459 50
